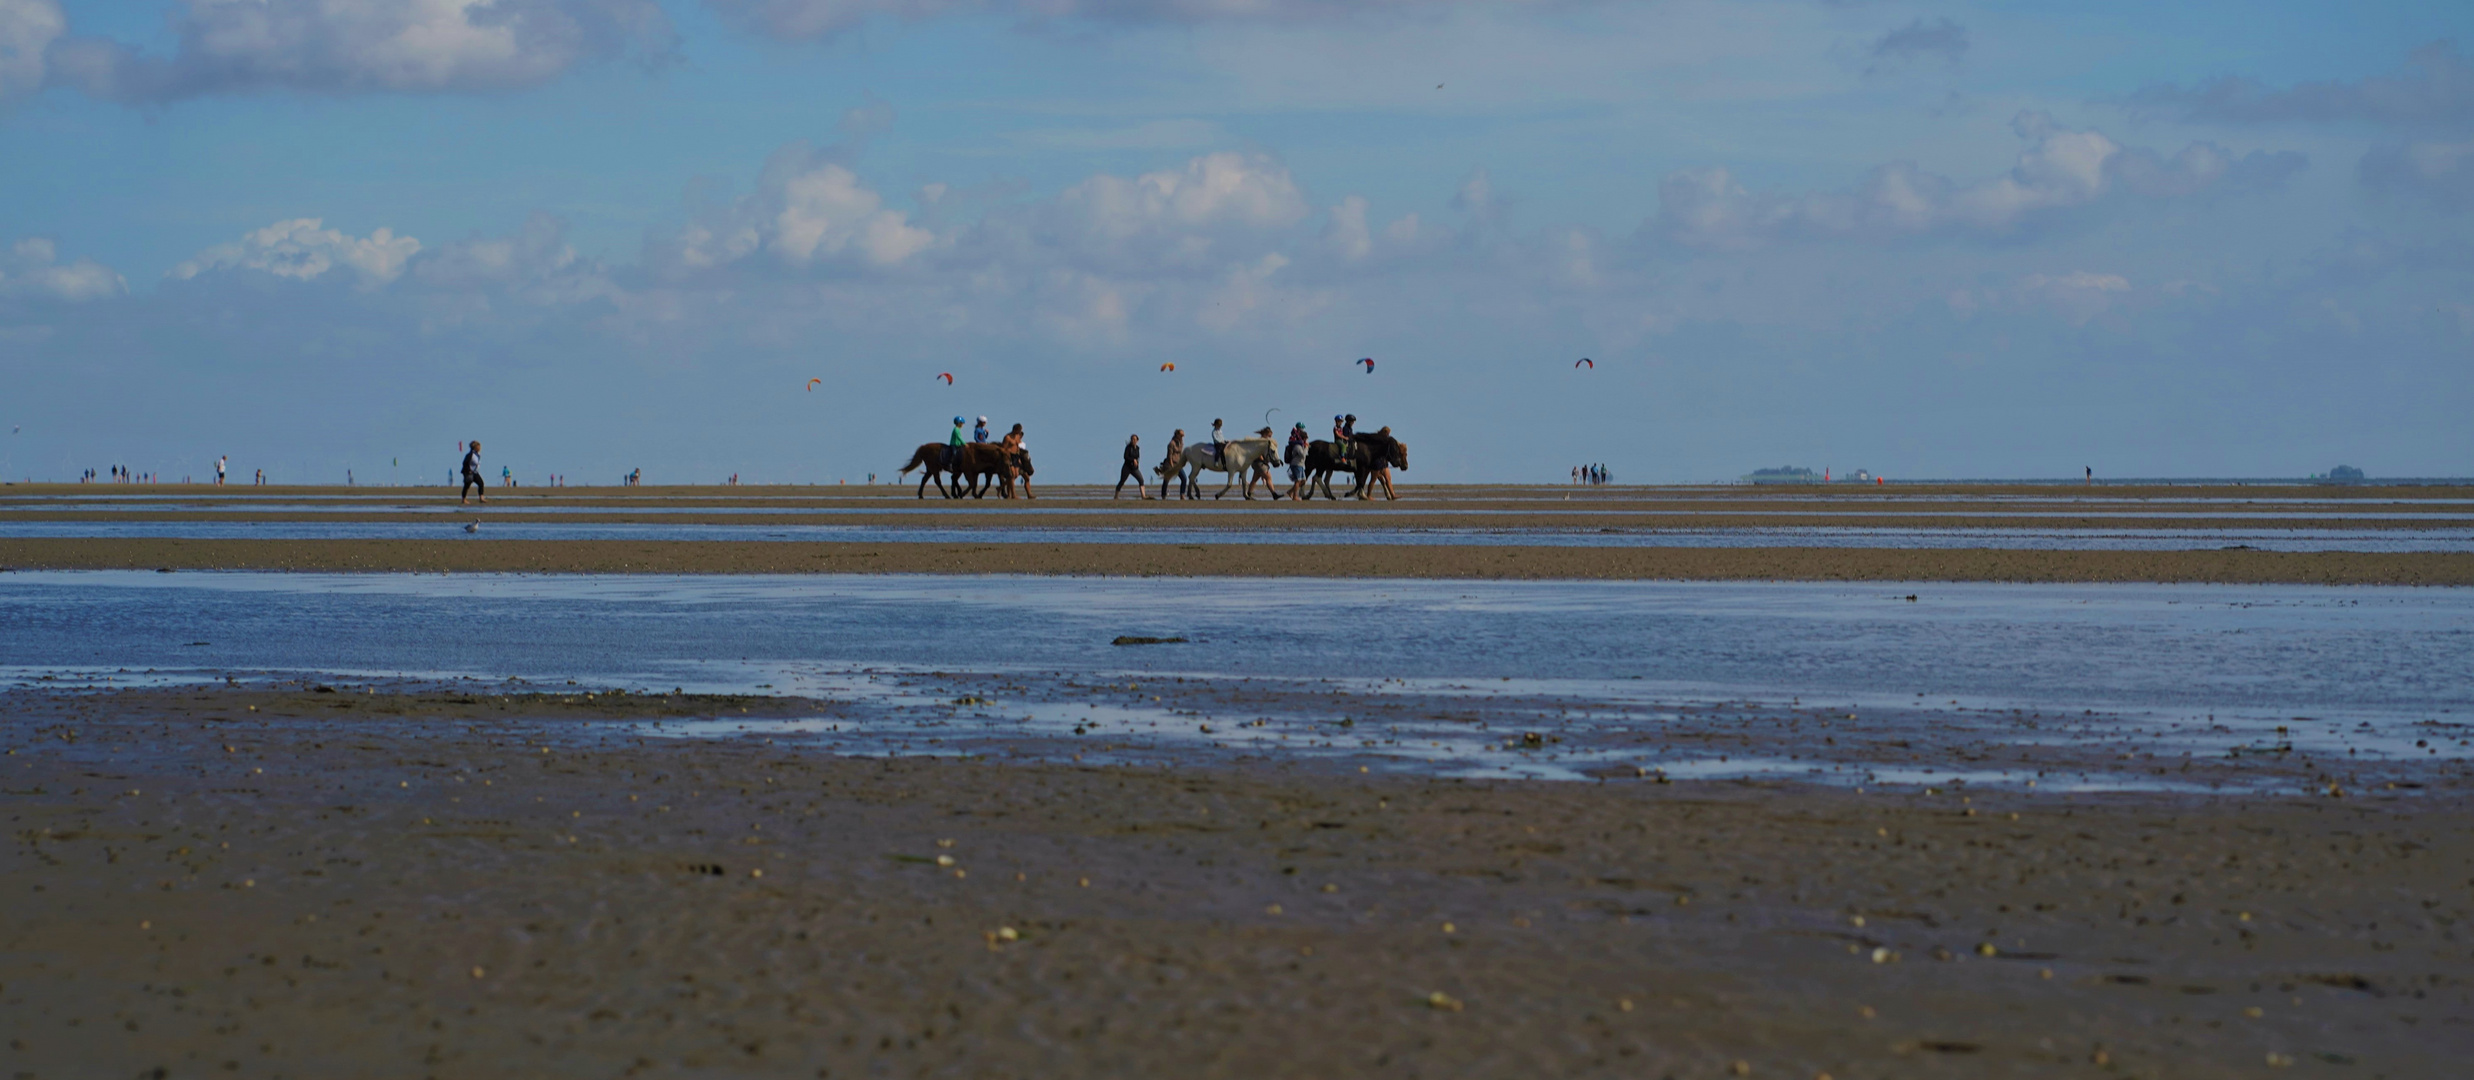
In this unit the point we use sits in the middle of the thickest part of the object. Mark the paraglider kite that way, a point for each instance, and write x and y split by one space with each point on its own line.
1168 366
947 376
811 385
1369 362
1585 362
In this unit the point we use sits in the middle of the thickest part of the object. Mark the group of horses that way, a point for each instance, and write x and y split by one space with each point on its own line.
975 469
1369 459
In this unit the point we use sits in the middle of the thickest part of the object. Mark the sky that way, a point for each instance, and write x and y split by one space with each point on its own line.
1938 240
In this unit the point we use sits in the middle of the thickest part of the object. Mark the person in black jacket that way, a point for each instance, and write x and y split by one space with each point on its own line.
472 476
1132 469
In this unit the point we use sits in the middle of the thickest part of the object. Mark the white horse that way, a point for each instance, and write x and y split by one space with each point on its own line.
1251 457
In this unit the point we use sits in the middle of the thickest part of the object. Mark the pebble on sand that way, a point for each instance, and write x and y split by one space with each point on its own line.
1443 1002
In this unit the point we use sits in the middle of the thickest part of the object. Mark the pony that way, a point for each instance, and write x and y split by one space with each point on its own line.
1251 458
1369 460
976 468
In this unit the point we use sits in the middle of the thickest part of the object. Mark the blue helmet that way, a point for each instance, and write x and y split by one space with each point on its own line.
1338 419
958 420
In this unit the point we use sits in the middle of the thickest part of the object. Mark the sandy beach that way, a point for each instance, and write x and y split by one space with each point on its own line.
316 876
320 884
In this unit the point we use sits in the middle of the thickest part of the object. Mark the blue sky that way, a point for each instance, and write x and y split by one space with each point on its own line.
1930 240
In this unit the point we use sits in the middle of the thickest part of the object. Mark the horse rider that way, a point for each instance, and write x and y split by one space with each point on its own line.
1216 444
1340 429
979 434
1132 469
953 445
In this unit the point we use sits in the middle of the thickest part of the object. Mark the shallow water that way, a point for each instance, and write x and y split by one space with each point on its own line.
2449 539
1438 671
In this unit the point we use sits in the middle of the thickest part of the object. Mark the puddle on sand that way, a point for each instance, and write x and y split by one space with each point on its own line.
2175 687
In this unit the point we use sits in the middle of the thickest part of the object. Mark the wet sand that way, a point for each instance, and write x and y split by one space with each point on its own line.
1242 560
468 884
1952 512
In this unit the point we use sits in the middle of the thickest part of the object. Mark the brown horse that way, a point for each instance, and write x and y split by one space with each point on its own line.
930 457
1370 459
976 468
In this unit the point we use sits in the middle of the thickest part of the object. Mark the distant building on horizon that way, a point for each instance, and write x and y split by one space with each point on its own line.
1784 474
2343 474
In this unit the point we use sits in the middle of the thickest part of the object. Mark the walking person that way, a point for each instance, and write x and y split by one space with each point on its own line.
219 463
1173 463
1011 445
1295 457
1132 469
472 476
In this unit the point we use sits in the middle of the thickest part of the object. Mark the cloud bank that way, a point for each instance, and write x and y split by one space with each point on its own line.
360 46
2436 87
31 268
2060 169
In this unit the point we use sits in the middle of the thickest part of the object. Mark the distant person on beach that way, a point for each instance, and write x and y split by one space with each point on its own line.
219 462
1132 469
472 476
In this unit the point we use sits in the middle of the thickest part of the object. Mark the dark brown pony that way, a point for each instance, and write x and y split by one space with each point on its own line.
978 467
1370 458
931 458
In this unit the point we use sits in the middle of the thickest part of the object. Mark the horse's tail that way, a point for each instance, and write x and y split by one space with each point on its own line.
919 458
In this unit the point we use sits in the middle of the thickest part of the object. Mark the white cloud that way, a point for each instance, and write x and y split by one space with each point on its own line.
2059 169
2436 171
1346 232
364 46
27 30
303 250
32 267
2079 295
808 210
1245 190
